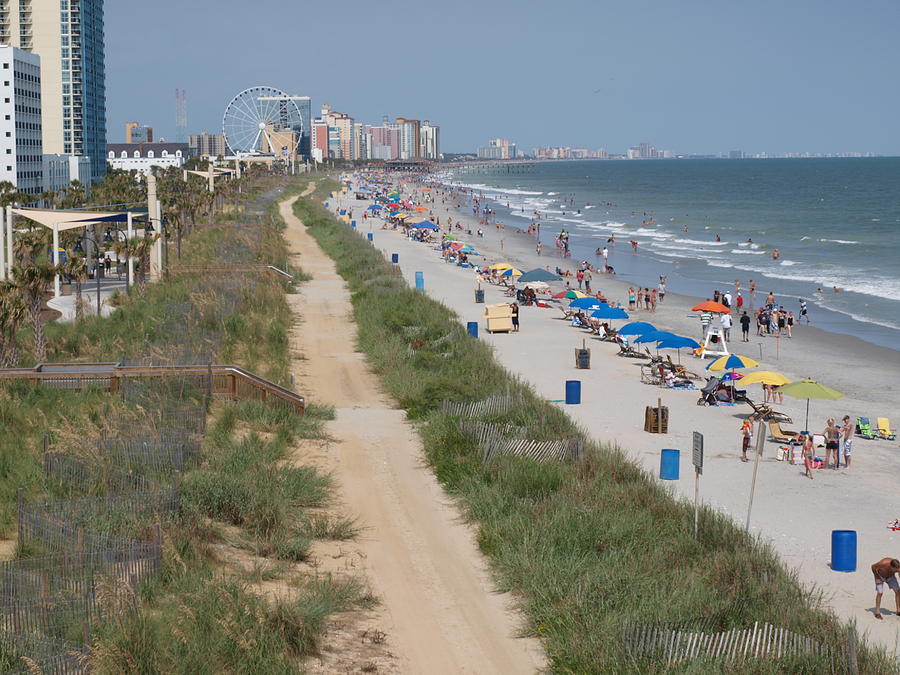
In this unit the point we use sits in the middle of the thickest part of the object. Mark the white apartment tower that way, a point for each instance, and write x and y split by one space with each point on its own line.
429 141
68 37
21 153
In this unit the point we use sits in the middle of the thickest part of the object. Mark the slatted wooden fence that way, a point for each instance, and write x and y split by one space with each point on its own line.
494 405
496 440
676 645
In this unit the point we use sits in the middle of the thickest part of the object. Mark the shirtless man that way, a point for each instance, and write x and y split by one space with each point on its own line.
885 570
847 429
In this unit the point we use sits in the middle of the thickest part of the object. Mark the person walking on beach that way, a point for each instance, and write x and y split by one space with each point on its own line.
705 318
745 327
789 323
586 275
847 439
746 437
662 288
605 254
804 312
515 317
725 320
653 296
752 291
539 247
885 572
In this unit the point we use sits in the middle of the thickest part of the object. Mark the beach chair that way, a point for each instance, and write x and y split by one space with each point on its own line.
779 434
864 428
766 413
681 371
884 429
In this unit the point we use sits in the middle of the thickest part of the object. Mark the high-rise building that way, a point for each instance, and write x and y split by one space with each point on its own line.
383 142
305 105
429 141
135 132
68 36
498 148
319 140
21 153
409 138
207 145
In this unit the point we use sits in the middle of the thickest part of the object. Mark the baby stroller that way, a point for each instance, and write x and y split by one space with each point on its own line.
708 392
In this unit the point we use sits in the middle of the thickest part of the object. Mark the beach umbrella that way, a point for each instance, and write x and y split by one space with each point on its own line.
731 362
655 336
402 216
570 294
710 306
425 225
500 266
636 328
421 209
375 207
539 274
394 205
511 272
766 377
608 312
810 389
678 342
587 302
731 377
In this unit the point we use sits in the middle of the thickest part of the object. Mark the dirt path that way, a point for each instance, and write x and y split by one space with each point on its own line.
439 610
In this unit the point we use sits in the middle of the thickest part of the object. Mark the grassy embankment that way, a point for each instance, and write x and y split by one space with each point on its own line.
245 496
585 545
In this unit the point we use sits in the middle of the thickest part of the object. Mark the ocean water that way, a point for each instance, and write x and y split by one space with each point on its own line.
835 223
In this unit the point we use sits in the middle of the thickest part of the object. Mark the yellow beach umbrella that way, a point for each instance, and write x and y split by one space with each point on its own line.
765 377
500 266
731 362
402 216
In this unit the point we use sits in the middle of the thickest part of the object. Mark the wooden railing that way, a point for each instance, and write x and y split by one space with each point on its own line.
227 269
223 381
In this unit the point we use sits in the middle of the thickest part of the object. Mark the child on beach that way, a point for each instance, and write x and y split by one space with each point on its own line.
808 453
746 437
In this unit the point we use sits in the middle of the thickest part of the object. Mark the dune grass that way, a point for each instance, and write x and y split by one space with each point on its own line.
586 545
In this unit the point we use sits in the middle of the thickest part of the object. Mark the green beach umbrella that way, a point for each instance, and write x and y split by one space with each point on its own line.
809 389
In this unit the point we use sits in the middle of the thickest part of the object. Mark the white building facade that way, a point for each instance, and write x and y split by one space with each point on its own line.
144 156
21 148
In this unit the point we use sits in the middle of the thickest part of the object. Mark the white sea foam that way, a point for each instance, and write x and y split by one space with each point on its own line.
702 243
481 187
743 252
838 241
747 243
789 263
806 238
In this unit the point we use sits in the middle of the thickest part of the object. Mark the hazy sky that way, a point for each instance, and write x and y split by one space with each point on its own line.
690 75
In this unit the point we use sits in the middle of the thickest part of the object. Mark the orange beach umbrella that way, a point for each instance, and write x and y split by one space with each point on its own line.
710 306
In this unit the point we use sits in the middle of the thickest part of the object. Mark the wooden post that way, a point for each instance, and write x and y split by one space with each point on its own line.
659 415
852 665
696 502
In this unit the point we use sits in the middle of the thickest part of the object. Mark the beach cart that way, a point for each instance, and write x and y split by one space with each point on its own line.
498 318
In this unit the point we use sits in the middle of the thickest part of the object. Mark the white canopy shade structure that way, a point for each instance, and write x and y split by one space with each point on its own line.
59 221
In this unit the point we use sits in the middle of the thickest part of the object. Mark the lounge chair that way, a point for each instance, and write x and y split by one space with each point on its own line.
779 434
681 371
884 429
766 413
864 428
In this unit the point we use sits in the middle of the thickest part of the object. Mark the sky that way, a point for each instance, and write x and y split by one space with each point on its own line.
693 76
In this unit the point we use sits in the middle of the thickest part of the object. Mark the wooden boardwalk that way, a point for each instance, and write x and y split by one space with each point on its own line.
223 381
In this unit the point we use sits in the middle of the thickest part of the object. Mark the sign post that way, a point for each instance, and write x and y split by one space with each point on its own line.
698 470
760 440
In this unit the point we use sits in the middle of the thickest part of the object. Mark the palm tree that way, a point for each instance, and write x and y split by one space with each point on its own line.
34 279
140 248
76 267
12 313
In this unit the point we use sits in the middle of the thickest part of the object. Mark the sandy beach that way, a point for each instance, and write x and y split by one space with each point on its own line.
794 513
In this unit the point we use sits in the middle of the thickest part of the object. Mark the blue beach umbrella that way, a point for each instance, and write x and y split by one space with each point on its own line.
655 336
610 313
426 225
636 328
375 207
678 342
587 303
538 274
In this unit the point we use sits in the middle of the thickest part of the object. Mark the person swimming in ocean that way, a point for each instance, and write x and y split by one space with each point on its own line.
775 254
718 238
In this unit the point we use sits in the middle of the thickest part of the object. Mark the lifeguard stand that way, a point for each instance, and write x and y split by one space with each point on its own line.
714 344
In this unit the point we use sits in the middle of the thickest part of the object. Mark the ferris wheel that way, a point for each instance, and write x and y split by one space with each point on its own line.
255 121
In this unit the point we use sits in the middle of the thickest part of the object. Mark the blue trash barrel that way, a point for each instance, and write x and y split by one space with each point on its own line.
369 236
573 392
326 204
352 223
843 550
668 464
472 328
343 212
395 258
420 281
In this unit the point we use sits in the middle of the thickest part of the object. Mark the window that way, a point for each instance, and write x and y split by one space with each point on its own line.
150 154
124 154
112 155
5 66
137 153
8 167
165 153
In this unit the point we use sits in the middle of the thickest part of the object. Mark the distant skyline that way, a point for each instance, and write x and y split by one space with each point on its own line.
695 77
